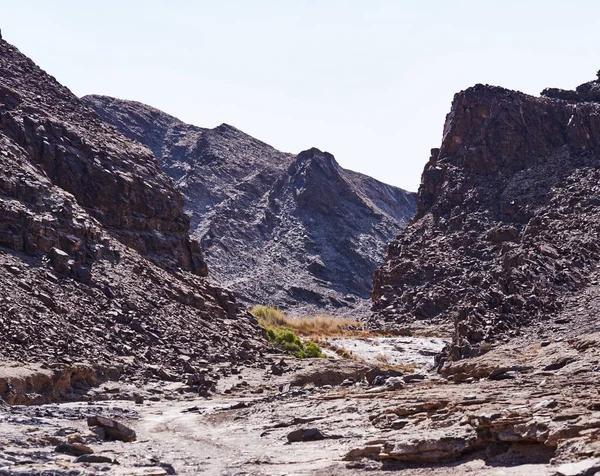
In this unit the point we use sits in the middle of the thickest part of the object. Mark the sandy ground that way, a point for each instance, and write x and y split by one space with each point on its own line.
398 351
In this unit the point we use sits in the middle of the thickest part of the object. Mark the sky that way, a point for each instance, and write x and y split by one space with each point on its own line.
369 81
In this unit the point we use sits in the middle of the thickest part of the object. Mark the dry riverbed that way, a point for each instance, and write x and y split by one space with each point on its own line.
415 353
490 415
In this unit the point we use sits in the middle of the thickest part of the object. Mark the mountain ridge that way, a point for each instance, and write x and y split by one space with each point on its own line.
248 204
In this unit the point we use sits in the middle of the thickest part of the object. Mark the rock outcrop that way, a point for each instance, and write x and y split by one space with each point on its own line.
507 222
96 262
298 232
586 92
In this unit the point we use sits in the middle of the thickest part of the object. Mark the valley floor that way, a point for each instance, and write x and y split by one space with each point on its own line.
525 410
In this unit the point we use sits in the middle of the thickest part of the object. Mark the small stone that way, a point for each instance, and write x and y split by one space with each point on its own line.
166 375
413 377
399 423
60 261
276 369
113 429
14 270
95 459
74 449
310 434
545 404
394 383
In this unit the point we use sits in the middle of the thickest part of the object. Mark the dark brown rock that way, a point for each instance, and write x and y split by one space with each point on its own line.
117 181
95 459
74 449
507 220
586 92
310 434
96 263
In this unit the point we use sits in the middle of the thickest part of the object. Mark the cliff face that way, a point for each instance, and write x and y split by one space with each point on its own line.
96 258
116 180
298 232
506 225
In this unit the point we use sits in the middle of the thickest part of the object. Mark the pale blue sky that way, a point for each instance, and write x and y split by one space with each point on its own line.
369 81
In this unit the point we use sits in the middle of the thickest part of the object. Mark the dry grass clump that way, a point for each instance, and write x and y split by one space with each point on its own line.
530 352
345 353
339 350
310 326
271 315
384 364
403 367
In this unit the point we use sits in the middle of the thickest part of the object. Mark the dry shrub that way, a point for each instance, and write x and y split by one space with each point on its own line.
308 326
402 367
271 315
534 349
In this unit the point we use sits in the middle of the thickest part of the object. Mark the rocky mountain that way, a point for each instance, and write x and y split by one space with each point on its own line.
506 232
104 300
96 262
295 231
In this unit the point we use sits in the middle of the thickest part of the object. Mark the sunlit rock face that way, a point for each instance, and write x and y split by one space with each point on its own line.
294 231
96 261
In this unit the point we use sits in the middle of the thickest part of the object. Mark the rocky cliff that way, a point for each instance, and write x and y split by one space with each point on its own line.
96 261
298 232
507 225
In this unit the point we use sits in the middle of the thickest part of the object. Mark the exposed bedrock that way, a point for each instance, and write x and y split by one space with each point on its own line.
507 221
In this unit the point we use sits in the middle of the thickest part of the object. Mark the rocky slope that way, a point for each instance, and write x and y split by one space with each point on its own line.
299 232
506 232
95 258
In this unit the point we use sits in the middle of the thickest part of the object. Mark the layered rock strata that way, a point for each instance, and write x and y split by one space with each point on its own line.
96 262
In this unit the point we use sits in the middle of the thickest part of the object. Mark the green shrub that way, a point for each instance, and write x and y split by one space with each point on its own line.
311 351
288 341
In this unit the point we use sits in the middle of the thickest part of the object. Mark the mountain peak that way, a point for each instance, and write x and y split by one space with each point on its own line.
514 172
315 157
262 212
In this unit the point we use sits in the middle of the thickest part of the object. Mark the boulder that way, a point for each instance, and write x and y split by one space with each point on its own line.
113 430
